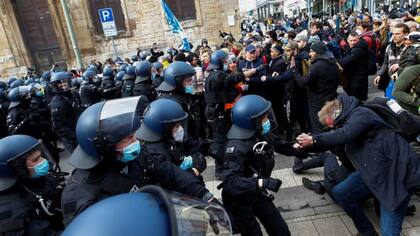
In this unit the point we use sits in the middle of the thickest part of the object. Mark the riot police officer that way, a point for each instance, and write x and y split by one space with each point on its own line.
220 90
89 93
105 133
164 131
127 88
16 84
248 165
18 116
178 86
164 123
4 107
29 195
62 110
119 81
108 88
157 74
143 83
152 211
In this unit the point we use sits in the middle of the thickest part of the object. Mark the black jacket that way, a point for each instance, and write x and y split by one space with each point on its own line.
385 160
322 80
63 117
355 65
275 88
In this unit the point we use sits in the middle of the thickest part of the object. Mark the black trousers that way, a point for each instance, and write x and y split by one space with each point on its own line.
244 217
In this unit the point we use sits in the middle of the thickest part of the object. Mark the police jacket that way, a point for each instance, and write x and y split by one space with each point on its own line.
127 88
220 87
4 107
21 212
146 89
158 163
386 162
89 94
109 89
63 116
242 165
86 187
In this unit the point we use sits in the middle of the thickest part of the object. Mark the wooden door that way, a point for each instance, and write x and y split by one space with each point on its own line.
38 32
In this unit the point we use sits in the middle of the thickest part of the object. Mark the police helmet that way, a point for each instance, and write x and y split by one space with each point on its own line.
101 126
123 67
2 94
89 75
120 75
108 73
3 85
130 72
151 211
143 71
60 78
11 149
17 95
46 76
176 72
36 89
246 116
157 65
76 82
30 81
16 84
10 81
159 119
92 67
217 58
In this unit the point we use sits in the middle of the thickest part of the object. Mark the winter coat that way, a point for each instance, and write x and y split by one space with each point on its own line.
355 65
407 89
322 80
275 88
256 86
385 160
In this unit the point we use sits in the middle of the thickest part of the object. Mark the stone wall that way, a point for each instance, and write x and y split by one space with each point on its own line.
144 21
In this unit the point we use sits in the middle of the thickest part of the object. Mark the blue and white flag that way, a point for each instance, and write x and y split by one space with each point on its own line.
175 25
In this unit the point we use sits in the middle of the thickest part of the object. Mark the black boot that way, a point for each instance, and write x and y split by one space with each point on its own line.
315 186
298 167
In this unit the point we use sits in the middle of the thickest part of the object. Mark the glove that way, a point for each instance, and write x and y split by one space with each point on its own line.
187 163
271 184
199 162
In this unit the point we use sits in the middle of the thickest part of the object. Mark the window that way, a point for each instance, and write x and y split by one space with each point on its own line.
183 9
117 11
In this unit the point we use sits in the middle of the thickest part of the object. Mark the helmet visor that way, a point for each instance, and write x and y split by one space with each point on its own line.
121 117
269 114
190 216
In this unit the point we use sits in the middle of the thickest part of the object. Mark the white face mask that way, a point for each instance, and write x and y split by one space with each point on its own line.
179 134
359 32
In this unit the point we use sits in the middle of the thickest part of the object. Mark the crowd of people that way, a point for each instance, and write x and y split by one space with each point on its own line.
152 119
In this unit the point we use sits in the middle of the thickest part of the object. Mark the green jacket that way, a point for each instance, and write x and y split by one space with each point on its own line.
407 89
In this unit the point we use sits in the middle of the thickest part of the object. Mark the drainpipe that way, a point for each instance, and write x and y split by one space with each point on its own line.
72 34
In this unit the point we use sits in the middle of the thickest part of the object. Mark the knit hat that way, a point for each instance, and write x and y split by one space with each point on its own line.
291 45
314 39
320 48
300 37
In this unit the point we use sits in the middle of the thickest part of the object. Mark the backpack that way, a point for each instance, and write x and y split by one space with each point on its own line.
305 66
405 123
373 52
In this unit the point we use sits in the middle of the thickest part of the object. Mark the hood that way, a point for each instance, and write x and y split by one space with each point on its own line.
348 104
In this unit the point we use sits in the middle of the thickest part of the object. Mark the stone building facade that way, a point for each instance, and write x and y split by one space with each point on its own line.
34 32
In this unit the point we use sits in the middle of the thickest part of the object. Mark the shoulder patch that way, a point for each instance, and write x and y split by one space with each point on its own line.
230 150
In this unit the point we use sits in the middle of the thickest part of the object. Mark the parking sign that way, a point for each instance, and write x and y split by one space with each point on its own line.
108 24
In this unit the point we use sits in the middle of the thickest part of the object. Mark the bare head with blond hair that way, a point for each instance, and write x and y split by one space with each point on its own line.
329 112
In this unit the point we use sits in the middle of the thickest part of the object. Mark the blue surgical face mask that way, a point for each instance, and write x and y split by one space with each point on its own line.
41 169
225 67
189 89
131 152
153 76
266 127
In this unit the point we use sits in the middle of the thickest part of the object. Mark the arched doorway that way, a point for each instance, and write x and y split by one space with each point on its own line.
38 32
